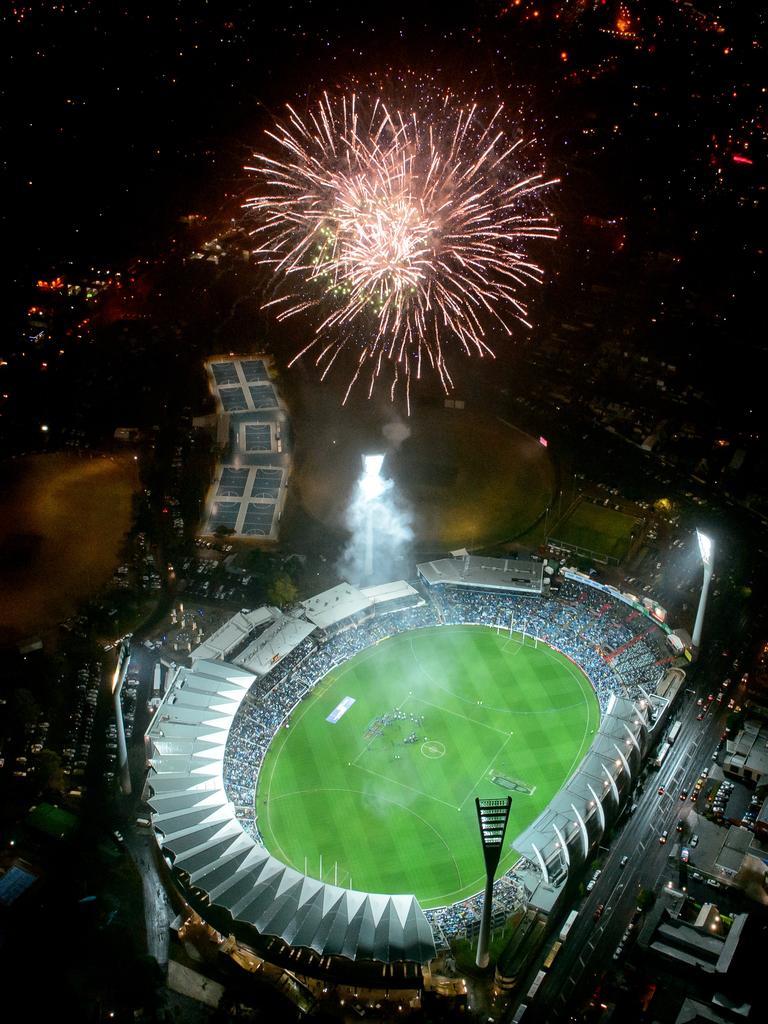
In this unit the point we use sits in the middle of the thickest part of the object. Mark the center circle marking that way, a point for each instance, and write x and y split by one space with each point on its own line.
433 749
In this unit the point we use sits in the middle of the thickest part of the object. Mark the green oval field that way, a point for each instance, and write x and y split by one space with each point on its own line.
373 783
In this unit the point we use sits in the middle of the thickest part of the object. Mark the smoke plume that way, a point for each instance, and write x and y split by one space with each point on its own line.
380 523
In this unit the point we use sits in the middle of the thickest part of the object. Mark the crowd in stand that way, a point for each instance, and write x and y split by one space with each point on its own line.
590 631
463 918
272 697
613 643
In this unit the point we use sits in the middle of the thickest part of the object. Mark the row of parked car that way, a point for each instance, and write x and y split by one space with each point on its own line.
627 933
720 802
74 756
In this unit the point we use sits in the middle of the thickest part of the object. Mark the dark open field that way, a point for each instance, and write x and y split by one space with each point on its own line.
62 521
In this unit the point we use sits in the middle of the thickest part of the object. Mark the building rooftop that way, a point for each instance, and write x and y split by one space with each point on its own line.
234 631
277 641
335 605
510 574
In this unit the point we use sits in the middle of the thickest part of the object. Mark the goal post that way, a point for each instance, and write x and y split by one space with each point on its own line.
522 637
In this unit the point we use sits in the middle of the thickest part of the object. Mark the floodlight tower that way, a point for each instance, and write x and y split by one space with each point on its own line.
707 552
492 817
372 485
123 658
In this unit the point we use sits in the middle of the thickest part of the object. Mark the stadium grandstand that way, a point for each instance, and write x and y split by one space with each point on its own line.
477 572
208 739
231 638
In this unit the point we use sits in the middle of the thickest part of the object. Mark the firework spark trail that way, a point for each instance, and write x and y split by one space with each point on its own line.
403 234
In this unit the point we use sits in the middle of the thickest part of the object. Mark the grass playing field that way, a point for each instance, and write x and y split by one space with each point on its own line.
594 528
387 815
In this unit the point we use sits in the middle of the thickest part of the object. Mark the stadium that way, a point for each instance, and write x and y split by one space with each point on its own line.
312 773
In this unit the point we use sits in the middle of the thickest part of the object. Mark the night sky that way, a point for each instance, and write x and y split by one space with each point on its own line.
121 118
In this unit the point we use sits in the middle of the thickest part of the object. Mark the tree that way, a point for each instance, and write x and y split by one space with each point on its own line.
646 899
49 773
282 591
25 707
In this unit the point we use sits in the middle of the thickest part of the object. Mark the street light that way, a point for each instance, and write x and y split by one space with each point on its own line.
707 553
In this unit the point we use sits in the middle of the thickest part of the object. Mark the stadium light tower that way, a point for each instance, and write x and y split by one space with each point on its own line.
372 486
707 552
123 658
492 816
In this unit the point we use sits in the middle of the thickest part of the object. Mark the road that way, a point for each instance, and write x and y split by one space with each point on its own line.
590 945
158 914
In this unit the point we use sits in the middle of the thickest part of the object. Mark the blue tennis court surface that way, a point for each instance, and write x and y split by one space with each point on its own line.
225 373
258 437
267 483
263 396
233 399
254 370
232 483
224 513
258 520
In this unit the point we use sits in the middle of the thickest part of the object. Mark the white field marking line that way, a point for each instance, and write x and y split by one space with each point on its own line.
487 769
518 644
457 714
578 676
493 707
423 670
351 663
360 792
394 782
537 711
268 799
304 709
473 888
439 686
370 741
457 696
362 656
580 754
542 711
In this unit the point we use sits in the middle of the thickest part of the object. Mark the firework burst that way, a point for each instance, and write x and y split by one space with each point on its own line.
404 234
